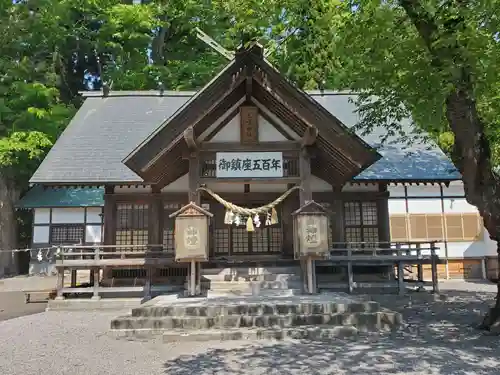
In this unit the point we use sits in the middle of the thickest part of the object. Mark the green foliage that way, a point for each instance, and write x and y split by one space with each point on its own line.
31 114
372 46
366 45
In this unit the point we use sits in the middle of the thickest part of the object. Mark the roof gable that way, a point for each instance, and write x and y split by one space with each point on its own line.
340 152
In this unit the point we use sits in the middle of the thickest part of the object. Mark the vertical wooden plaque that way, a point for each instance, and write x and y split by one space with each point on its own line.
249 125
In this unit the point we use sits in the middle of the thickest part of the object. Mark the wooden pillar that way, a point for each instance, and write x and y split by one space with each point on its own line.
73 278
60 283
155 237
350 274
383 219
288 207
95 275
384 231
308 265
109 215
435 286
401 280
337 224
109 225
194 272
420 269
305 194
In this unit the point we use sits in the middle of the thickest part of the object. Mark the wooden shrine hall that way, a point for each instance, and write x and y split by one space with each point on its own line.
249 171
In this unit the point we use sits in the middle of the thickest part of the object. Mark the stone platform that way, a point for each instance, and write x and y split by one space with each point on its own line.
197 319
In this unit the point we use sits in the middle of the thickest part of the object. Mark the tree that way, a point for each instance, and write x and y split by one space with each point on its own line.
31 115
433 60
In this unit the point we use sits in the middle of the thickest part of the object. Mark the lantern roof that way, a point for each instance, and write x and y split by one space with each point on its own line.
191 209
311 208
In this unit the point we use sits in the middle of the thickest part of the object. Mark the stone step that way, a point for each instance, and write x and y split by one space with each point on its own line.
362 321
274 284
233 293
249 286
295 333
251 277
251 270
322 332
248 307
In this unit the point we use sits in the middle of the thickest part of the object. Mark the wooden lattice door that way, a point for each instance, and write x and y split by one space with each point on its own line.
236 240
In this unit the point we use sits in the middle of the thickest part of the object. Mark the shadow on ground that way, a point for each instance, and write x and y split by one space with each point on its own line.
438 338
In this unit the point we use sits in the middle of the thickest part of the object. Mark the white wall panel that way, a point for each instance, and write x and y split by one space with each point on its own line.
458 205
268 132
230 132
424 206
181 185
397 206
68 215
41 215
41 234
423 191
396 191
93 215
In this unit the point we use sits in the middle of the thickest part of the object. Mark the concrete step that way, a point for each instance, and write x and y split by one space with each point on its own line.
362 321
272 307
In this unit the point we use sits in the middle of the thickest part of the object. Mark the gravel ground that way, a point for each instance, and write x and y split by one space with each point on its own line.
439 338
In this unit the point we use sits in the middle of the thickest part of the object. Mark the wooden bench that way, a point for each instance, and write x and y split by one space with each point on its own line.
50 293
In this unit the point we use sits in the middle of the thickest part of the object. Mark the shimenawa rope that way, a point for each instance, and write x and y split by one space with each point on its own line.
262 210
250 211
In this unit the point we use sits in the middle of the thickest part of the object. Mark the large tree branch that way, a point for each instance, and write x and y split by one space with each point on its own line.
482 186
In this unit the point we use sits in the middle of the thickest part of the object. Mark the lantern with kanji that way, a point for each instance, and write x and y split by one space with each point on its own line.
311 226
191 233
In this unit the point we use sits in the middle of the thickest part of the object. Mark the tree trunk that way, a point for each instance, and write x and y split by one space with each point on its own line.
481 184
9 194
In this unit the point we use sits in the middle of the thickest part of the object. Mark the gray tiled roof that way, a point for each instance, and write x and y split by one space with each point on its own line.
106 130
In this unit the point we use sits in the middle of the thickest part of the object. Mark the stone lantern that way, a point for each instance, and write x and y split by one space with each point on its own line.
311 227
191 233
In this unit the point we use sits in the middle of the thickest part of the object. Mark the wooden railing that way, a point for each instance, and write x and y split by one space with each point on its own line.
150 257
379 251
97 257
86 256
396 254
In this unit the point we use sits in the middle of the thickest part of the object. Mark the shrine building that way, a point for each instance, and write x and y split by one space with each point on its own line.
249 139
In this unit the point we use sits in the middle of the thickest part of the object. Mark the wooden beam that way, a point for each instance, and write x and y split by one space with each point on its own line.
190 139
243 180
262 146
310 136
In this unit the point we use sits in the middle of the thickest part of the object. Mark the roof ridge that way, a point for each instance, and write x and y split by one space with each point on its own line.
189 93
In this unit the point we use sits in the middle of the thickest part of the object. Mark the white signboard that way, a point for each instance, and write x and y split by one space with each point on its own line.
249 165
